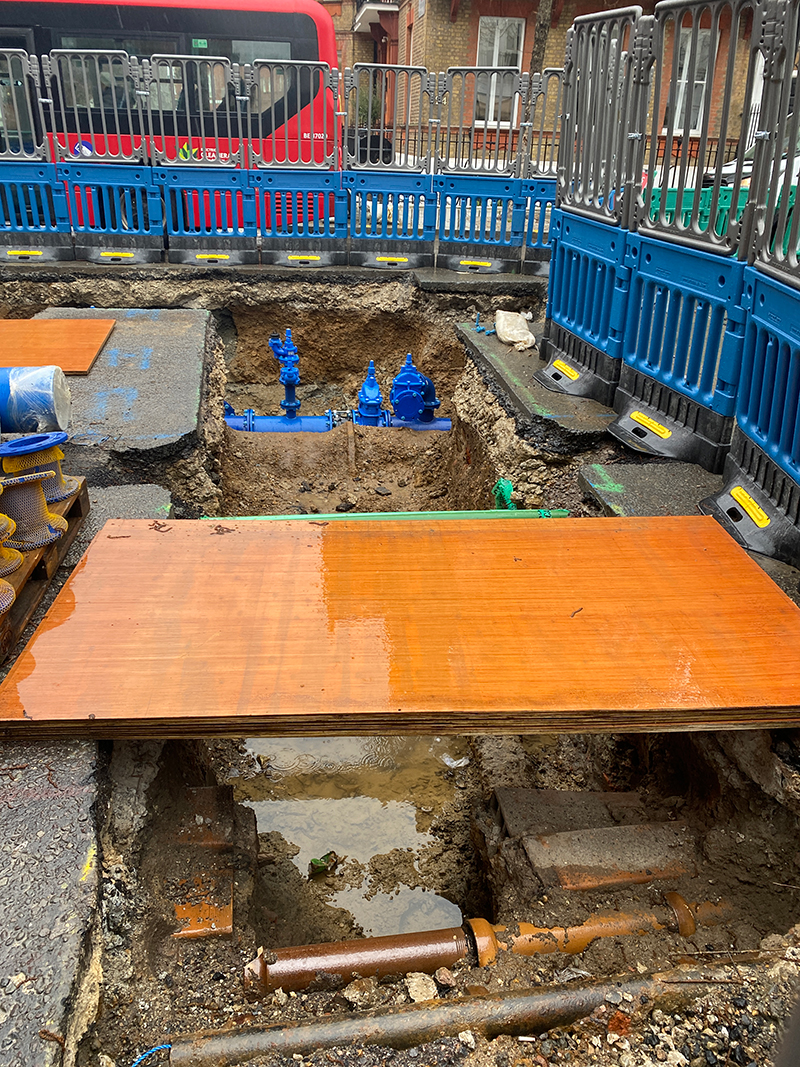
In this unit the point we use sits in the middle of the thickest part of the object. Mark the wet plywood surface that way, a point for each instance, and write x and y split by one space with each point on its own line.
71 344
392 626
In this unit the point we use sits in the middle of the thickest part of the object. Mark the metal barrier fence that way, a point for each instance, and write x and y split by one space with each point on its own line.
290 119
776 159
701 96
196 111
93 107
598 157
677 300
479 118
390 118
539 132
20 136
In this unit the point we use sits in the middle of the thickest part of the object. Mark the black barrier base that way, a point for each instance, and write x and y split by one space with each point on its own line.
118 249
478 259
661 422
759 504
291 252
34 248
213 251
391 255
575 367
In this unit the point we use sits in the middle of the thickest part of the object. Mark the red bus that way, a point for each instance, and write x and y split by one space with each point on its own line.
236 82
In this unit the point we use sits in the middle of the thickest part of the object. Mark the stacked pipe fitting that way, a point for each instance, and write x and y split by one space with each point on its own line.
37 453
32 479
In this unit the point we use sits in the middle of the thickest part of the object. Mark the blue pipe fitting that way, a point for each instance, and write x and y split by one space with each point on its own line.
413 395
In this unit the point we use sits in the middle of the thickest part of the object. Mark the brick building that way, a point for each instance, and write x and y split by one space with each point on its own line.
437 34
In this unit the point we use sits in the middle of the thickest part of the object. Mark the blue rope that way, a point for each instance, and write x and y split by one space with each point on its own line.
143 1057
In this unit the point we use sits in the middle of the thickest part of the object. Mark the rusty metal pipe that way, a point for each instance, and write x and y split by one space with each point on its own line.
525 1013
297 968
373 957
527 940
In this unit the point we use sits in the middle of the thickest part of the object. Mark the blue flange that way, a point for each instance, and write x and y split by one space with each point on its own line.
36 442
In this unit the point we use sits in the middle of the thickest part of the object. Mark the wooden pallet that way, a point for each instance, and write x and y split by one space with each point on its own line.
31 580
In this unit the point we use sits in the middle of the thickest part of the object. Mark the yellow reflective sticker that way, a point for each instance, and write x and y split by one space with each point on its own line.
474 263
304 257
559 364
211 255
391 259
118 255
651 424
756 513
22 252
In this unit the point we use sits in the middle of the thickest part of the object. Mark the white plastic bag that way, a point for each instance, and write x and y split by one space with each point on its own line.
512 329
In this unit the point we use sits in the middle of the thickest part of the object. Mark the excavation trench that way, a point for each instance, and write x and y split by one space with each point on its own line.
405 832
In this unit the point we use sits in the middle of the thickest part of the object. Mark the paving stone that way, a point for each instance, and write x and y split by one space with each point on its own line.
648 488
144 390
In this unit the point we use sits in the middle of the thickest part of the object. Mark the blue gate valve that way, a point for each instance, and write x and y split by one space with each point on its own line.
286 352
413 396
370 399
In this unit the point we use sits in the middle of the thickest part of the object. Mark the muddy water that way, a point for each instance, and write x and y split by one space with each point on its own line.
363 798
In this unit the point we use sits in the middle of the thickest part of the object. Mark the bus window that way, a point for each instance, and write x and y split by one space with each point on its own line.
243 51
16 39
142 47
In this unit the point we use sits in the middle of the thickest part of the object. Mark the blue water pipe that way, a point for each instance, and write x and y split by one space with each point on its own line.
413 399
278 423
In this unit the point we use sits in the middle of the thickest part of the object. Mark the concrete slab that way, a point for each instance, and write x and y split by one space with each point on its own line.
448 281
49 884
525 811
613 855
648 488
144 390
559 422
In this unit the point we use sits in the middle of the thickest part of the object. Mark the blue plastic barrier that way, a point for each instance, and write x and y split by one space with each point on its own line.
210 215
302 217
481 223
34 218
587 304
682 352
540 195
116 212
768 402
392 219
760 502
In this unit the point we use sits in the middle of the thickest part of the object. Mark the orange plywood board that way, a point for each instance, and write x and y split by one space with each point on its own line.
392 626
71 344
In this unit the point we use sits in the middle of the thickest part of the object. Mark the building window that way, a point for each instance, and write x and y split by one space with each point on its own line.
499 45
691 95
